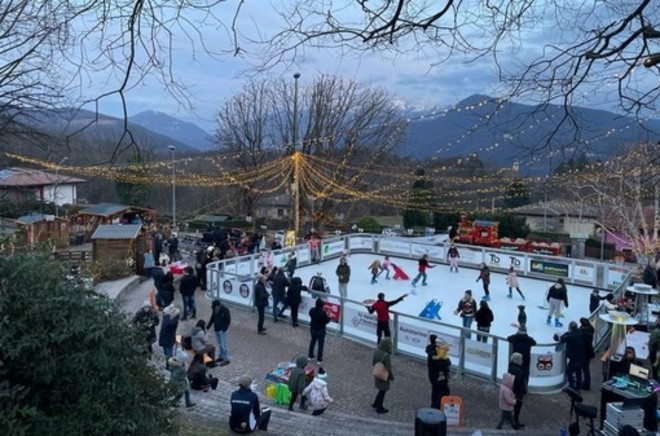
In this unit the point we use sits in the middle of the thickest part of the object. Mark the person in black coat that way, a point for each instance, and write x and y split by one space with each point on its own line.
157 274
187 287
522 343
220 321
167 335
519 385
587 331
261 302
649 276
294 298
438 365
280 286
318 320
246 415
168 289
198 375
574 354
484 318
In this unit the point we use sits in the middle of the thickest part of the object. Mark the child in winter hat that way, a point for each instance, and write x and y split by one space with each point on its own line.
317 393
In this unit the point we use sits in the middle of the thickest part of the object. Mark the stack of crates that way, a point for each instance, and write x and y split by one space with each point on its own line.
616 417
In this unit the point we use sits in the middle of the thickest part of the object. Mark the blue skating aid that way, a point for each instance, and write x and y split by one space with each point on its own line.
432 310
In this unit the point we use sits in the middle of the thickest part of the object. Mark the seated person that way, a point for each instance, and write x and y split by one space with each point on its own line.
246 415
629 357
611 304
200 342
198 375
655 367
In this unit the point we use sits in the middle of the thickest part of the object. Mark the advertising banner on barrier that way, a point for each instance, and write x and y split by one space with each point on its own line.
361 243
473 257
360 320
498 259
333 248
546 365
454 342
479 353
549 268
413 335
615 275
236 291
433 251
584 272
303 255
394 246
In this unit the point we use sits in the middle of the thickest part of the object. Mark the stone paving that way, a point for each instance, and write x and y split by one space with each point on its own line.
350 383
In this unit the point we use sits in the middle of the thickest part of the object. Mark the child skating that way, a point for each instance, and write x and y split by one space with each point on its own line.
375 270
484 276
385 266
512 281
452 256
423 265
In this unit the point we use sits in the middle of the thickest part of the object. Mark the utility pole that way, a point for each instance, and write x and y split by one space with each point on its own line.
173 150
57 185
296 187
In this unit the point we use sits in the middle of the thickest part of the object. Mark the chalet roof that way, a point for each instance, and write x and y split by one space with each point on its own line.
212 218
557 210
109 209
24 177
35 217
117 231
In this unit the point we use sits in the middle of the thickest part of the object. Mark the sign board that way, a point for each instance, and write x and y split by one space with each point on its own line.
473 257
364 243
360 320
479 353
239 292
549 268
584 272
433 251
452 407
412 335
303 255
615 276
549 364
504 260
334 248
394 246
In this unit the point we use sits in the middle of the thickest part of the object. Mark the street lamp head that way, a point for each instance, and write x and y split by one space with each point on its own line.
171 147
296 76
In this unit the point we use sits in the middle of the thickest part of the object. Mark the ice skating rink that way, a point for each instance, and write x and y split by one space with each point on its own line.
448 288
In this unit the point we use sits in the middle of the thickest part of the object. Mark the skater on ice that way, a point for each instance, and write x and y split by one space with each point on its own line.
343 272
385 266
423 265
317 283
556 295
484 276
382 309
466 309
484 318
375 270
452 256
512 281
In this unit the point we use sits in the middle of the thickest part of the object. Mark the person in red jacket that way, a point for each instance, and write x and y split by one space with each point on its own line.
423 266
382 309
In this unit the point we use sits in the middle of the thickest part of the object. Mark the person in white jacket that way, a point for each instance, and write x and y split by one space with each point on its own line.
317 393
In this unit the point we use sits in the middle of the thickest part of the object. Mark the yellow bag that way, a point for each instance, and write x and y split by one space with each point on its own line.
270 390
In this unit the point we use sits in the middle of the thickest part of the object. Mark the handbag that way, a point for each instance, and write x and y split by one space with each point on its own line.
380 371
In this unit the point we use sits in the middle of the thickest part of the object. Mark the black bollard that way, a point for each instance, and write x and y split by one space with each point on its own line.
430 422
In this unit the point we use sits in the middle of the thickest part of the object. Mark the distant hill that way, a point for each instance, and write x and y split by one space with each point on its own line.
504 134
182 131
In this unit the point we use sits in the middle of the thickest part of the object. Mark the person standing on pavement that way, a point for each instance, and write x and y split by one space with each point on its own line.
148 263
158 247
167 336
507 401
187 287
466 310
280 286
522 343
587 331
297 383
179 379
383 355
261 302
484 276
174 247
319 319
382 309
147 319
220 321
438 365
158 276
168 289
343 272
294 298
574 354
422 266
519 385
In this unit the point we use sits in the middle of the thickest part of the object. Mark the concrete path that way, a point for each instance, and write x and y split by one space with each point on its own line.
350 383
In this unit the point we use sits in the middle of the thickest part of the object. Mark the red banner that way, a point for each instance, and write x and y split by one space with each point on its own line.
333 310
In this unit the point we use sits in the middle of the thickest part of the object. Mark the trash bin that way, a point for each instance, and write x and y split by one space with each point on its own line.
430 422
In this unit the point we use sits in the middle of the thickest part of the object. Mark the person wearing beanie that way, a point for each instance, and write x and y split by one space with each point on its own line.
507 401
317 393
522 343
484 318
484 276
574 354
588 332
382 309
556 295
178 378
220 321
466 310
146 319
438 365
519 385
168 289
246 415
167 335
187 287
318 284
297 382
261 302
318 320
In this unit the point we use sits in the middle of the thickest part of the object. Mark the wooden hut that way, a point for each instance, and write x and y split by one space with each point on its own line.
110 213
38 227
120 242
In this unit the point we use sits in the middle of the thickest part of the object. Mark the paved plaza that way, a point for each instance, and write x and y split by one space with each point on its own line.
350 383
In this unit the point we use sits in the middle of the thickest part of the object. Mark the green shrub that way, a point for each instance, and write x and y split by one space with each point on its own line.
108 270
369 224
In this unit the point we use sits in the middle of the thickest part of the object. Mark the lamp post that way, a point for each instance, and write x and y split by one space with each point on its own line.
295 188
57 183
173 149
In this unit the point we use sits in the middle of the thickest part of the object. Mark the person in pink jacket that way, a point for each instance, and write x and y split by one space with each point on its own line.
507 401
512 281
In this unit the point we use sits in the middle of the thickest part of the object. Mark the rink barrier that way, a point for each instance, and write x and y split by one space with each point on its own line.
232 280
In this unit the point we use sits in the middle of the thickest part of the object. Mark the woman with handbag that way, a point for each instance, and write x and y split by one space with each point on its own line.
382 372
